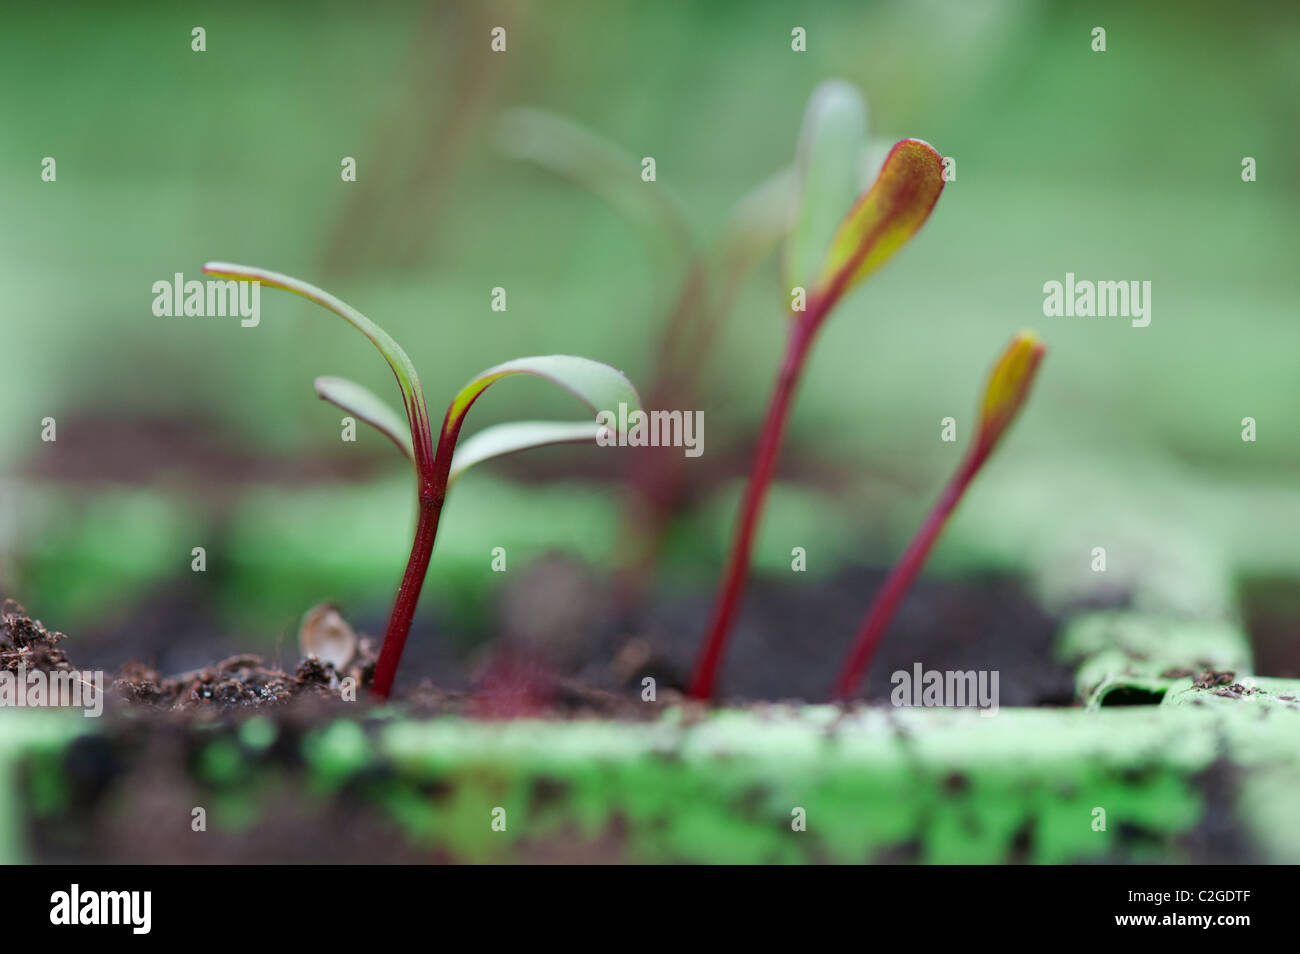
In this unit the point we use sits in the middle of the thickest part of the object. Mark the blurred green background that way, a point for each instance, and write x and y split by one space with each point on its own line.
180 433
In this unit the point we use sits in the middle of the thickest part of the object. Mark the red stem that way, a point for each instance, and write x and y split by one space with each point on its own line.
408 595
802 329
433 470
901 576
796 350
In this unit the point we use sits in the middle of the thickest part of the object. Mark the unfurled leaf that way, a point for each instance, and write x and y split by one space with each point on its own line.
828 173
364 404
1009 386
502 439
597 385
412 395
882 221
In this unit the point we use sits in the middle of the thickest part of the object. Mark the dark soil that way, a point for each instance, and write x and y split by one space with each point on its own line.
792 637
27 645
788 643
240 682
563 651
512 684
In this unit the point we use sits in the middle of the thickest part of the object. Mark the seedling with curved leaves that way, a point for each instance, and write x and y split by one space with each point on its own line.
876 226
1004 396
597 385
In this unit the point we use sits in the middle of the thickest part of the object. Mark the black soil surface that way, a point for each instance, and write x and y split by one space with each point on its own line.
791 639
557 649
787 645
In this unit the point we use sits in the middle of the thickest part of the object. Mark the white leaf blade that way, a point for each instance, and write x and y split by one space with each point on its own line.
509 438
364 404
599 386
829 176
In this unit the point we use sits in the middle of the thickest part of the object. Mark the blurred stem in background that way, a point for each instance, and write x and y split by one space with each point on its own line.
877 225
393 209
711 276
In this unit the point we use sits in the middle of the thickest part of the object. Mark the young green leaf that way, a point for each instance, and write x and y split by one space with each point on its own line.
502 439
882 221
828 168
364 404
412 395
1008 387
597 385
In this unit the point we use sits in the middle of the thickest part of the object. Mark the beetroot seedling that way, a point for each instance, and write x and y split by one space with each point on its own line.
876 227
597 385
1007 390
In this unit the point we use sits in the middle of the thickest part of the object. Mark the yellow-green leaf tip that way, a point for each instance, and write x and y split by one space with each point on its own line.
1009 385
885 217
